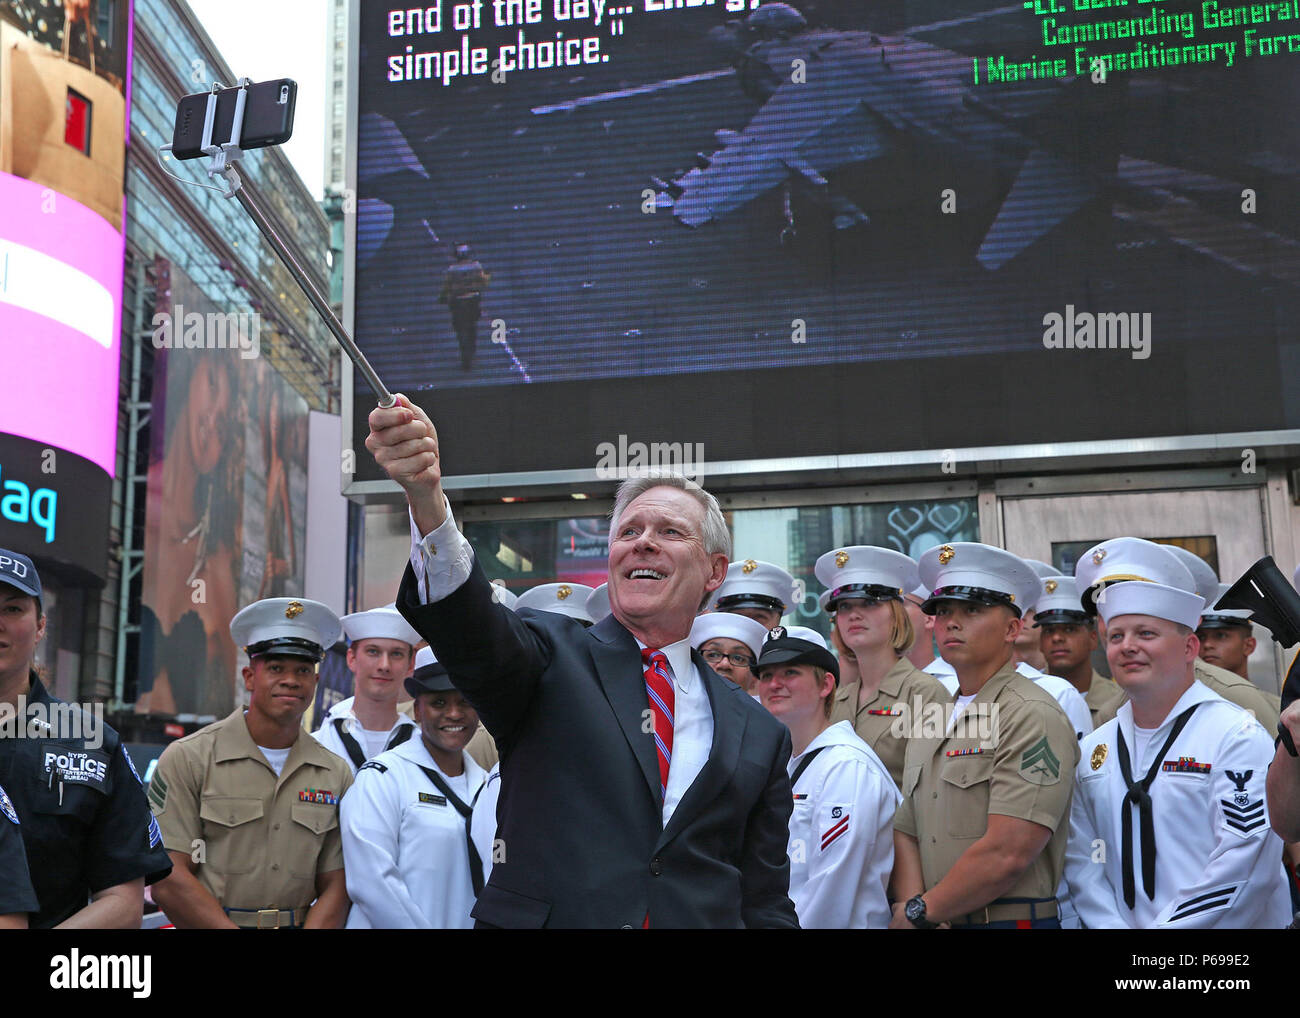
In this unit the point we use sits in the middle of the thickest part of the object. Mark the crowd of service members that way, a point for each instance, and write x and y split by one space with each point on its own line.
956 760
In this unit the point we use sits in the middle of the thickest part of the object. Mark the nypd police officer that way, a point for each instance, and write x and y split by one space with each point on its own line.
90 842
249 805
17 898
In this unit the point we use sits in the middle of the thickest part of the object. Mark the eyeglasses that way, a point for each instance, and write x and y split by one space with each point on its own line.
739 660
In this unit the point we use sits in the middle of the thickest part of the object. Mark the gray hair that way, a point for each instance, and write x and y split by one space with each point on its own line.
716 536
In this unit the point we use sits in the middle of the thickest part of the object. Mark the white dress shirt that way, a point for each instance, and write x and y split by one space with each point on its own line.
442 560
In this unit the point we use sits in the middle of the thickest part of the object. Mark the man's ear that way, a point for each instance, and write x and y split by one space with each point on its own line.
1014 625
248 677
718 565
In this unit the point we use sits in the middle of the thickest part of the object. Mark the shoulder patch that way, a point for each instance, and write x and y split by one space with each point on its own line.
1039 764
372 765
131 765
7 807
157 794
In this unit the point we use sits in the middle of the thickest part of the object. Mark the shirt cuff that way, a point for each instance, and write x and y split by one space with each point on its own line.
441 559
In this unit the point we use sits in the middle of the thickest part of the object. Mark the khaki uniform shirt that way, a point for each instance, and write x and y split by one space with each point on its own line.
899 703
1267 707
483 748
1013 752
259 841
1104 698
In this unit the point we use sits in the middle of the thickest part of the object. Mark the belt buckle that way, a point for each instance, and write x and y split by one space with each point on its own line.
273 913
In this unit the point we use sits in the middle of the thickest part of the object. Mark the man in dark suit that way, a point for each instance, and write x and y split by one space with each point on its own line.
638 787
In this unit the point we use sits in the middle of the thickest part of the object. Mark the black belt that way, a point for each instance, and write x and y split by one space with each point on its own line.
475 862
354 748
1138 795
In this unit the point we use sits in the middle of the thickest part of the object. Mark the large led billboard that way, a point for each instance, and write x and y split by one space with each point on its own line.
63 127
777 231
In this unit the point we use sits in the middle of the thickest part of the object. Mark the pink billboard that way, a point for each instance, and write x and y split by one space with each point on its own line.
60 319
63 99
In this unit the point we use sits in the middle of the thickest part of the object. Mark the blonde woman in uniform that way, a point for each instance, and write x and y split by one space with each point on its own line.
890 696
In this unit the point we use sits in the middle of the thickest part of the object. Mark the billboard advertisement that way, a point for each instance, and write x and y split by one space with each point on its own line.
798 230
63 130
226 509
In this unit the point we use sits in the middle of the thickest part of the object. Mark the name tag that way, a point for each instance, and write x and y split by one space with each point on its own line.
433 800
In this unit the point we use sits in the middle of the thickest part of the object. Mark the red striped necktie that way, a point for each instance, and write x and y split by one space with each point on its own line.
659 691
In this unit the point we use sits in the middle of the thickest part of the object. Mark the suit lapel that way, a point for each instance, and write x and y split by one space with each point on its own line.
729 722
618 670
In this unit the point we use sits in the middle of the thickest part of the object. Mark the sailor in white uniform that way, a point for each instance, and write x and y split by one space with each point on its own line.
381 654
841 845
411 862
1169 827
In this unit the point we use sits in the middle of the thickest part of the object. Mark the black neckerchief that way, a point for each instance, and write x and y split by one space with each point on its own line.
475 862
1139 796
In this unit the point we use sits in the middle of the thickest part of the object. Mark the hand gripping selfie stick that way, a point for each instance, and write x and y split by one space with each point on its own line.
224 158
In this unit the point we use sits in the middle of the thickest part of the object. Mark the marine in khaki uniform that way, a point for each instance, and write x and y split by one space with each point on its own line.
980 836
248 806
865 590
1131 558
1067 637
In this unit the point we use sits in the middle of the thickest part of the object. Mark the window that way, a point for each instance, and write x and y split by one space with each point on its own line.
76 124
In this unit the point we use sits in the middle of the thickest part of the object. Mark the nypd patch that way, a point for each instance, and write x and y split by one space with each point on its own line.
7 807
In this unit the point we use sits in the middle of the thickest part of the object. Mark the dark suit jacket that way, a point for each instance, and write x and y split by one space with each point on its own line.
580 811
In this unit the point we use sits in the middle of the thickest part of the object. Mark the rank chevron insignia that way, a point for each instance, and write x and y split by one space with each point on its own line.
1241 814
1038 763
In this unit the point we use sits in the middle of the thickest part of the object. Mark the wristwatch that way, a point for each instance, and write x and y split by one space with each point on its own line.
914 910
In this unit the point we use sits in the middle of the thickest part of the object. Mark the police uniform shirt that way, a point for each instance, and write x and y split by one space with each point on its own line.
16 892
900 701
405 845
1267 707
263 839
85 823
1071 701
1020 767
841 844
328 734
1104 698
1216 864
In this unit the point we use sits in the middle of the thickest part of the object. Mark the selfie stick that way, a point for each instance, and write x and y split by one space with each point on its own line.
224 158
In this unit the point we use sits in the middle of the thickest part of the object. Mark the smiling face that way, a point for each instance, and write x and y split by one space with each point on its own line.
20 630
971 635
793 694
280 687
380 666
1149 656
446 720
659 571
